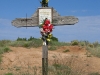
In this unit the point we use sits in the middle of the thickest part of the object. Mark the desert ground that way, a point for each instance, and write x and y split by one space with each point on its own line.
22 59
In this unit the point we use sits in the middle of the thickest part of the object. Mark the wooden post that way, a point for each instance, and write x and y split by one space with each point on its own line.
45 59
37 19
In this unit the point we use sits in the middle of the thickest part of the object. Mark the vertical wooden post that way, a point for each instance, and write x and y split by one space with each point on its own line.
44 13
45 60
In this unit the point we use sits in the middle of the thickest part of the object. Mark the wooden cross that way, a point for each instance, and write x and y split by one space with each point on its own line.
34 20
37 18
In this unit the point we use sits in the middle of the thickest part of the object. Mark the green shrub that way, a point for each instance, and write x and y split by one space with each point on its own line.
96 44
8 74
4 49
26 45
4 43
94 73
25 39
31 38
86 43
54 39
52 48
0 59
94 51
57 65
82 43
74 43
21 39
67 50
62 69
33 43
37 43
91 45
55 43
17 43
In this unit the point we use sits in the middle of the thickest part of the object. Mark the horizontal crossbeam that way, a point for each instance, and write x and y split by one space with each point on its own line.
57 20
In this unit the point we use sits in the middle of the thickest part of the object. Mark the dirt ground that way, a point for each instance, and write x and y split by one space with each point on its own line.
22 58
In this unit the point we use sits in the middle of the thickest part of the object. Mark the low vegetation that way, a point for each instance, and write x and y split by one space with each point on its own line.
67 50
8 74
93 48
57 67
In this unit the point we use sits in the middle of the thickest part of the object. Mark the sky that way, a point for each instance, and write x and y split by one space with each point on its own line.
87 11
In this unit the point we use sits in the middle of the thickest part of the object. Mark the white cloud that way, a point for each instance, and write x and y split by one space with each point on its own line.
84 10
78 11
7 31
74 11
88 28
4 22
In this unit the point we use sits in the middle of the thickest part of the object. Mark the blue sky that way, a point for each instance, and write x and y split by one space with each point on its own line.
88 12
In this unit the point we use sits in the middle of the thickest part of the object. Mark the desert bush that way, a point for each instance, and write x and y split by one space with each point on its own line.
33 43
52 48
17 43
55 43
82 43
31 38
26 45
21 39
0 59
74 43
64 66
4 43
25 39
96 44
86 43
54 39
8 74
4 49
94 73
59 69
94 51
37 43
67 50
91 45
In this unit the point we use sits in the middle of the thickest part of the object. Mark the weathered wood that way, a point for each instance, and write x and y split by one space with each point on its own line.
33 21
64 20
45 60
45 51
56 19
44 66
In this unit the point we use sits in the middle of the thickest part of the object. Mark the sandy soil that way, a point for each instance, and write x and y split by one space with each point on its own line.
19 59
